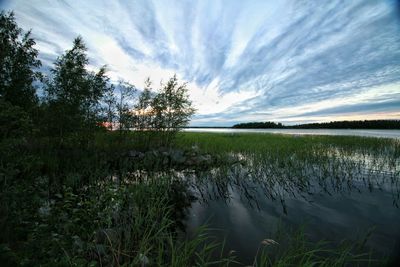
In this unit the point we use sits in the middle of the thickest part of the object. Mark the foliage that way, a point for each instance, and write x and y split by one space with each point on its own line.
294 248
143 108
18 61
110 106
172 109
125 97
14 120
366 124
73 94
171 106
76 221
102 223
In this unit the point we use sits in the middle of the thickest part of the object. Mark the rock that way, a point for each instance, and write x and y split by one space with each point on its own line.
132 154
135 154
170 157
177 157
207 159
163 149
165 161
200 160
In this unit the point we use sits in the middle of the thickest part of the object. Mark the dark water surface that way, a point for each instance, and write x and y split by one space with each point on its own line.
332 209
332 218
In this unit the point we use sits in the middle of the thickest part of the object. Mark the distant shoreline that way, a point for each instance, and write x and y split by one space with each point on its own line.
381 133
288 127
339 125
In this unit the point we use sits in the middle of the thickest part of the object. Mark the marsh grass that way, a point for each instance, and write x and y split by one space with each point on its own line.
301 166
63 206
295 248
282 167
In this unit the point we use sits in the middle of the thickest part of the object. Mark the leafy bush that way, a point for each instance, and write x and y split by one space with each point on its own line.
14 121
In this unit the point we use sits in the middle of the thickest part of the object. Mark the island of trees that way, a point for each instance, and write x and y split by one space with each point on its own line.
366 124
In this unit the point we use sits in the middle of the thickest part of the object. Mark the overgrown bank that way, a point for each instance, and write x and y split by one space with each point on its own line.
116 203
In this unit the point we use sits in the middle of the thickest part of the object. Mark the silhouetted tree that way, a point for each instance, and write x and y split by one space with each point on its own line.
267 124
366 124
14 121
172 109
18 59
143 108
73 94
125 102
110 103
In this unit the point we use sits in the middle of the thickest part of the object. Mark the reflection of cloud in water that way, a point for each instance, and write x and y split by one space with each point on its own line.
338 193
238 212
324 170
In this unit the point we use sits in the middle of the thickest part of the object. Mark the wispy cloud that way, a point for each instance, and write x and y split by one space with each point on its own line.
244 60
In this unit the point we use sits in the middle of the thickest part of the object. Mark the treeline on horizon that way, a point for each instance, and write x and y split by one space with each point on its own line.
366 124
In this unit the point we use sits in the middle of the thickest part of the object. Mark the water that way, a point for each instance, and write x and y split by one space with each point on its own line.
332 218
353 195
343 132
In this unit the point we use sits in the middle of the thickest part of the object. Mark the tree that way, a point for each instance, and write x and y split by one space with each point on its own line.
125 99
143 108
14 121
73 94
110 102
172 109
18 59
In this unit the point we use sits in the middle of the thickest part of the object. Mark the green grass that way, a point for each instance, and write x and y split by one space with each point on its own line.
262 142
295 249
282 166
285 164
61 203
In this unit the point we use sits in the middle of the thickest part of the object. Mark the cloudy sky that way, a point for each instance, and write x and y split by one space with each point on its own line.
291 61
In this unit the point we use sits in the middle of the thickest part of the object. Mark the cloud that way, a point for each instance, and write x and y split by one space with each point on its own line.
243 60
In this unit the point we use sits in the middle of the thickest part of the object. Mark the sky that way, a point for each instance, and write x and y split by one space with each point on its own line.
289 61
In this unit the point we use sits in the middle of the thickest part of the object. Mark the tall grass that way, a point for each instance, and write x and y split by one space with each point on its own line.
284 166
302 165
68 205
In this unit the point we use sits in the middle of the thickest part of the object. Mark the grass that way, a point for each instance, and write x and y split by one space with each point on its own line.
295 249
285 164
262 142
62 206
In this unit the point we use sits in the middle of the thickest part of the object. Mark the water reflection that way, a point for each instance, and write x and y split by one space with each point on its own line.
329 171
338 193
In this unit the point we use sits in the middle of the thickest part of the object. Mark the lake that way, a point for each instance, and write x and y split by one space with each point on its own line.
333 191
342 132
329 217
